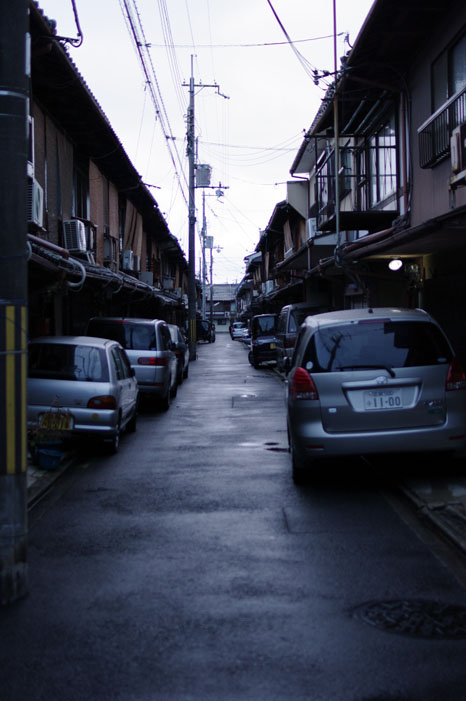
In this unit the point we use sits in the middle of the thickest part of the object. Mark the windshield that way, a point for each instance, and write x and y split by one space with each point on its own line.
376 344
130 336
55 361
263 325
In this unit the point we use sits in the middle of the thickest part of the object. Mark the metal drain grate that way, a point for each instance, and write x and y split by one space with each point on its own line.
418 618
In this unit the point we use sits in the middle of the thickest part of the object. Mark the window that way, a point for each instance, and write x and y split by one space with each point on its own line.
67 362
380 343
449 73
448 97
377 172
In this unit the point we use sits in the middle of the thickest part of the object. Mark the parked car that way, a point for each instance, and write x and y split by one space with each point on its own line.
82 386
205 330
263 339
289 320
237 329
150 350
373 381
181 352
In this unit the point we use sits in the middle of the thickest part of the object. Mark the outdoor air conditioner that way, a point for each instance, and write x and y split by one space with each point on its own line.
269 285
74 234
148 277
109 248
127 260
311 228
35 203
458 149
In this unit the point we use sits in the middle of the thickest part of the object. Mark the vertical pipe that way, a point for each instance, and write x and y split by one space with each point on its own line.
14 103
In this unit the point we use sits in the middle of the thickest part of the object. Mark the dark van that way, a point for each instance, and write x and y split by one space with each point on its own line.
263 339
289 320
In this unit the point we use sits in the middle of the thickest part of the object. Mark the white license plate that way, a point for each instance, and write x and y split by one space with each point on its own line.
382 399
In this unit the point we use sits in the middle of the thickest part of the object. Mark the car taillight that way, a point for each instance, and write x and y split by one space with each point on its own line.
152 361
103 402
456 378
302 386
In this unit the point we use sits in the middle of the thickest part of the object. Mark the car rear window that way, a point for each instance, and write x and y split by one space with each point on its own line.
130 336
264 325
297 317
375 344
77 363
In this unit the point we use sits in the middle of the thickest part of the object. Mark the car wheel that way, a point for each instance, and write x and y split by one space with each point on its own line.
113 444
165 401
299 469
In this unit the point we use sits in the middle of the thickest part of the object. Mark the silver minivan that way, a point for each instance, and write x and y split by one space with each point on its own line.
150 350
373 381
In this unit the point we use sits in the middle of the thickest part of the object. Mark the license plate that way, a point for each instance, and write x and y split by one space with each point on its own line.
53 421
273 346
382 399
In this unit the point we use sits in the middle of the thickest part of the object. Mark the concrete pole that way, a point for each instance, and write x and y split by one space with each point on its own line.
192 297
13 297
204 272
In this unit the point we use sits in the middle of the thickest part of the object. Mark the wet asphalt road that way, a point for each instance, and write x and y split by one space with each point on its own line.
190 567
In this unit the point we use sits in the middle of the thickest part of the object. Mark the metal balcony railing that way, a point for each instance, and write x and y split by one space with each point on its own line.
435 133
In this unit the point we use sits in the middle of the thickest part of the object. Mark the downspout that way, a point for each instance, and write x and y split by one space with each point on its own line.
404 160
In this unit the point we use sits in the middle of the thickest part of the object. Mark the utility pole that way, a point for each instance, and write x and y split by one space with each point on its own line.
204 271
14 88
192 221
191 152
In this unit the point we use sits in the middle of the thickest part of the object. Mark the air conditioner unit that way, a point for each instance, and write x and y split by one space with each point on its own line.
137 264
74 234
458 149
269 285
35 203
168 283
109 249
311 228
148 277
127 262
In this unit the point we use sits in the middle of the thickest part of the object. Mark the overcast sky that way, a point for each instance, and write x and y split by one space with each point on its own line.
250 139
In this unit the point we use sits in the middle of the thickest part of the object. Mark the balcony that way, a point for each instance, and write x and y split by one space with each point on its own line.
435 133
368 199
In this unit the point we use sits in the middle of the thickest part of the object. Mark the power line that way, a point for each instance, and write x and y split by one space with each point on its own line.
135 28
246 46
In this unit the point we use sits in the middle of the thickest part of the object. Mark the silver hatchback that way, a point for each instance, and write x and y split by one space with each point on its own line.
373 381
150 350
81 386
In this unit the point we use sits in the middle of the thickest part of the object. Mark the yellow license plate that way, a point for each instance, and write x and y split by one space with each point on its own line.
273 346
53 421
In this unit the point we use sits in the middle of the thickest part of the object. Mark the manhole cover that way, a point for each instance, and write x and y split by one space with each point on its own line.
422 619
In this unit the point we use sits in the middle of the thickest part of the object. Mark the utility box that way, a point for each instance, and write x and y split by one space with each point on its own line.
203 173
